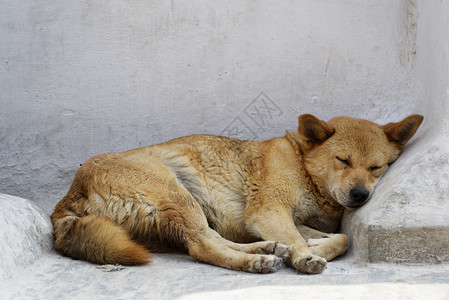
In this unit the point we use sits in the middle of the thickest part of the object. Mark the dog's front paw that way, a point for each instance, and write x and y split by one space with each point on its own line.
330 246
265 264
274 248
310 264
319 246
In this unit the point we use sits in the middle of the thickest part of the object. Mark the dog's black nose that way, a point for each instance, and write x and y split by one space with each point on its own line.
359 196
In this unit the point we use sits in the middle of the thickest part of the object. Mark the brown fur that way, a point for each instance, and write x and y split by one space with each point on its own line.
207 194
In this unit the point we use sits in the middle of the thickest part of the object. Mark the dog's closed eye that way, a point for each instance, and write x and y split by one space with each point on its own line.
377 171
344 161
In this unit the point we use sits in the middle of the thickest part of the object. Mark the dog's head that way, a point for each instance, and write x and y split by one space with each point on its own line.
346 157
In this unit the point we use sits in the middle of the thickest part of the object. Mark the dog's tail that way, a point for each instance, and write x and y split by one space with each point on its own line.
96 239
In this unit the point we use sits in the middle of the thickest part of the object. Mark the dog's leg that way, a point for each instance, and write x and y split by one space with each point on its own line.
262 247
203 244
207 248
179 219
278 226
147 208
182 216
326 245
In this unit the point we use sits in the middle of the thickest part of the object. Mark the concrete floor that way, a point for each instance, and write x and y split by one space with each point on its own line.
176 276
31 269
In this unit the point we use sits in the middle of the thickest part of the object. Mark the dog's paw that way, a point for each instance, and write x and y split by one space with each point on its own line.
317 244
310 264
274 248
265 264
330 246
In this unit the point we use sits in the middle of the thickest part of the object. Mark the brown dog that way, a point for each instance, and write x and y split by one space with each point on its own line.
206 194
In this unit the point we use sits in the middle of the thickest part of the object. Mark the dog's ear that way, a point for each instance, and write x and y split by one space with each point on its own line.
401 132
313 131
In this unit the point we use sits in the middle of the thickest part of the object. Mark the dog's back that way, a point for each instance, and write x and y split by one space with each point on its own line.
115 198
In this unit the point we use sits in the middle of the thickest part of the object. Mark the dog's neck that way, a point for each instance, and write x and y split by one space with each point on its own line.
328 207
323 198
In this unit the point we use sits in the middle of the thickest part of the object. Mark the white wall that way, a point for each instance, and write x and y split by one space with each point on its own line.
407 220
80 78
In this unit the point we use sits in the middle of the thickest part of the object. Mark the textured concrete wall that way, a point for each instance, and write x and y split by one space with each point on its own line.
80 78
407 220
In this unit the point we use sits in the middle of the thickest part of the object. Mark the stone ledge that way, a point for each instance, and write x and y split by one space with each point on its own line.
415 245
408 245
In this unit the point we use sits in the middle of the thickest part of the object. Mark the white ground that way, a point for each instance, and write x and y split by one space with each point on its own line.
171 276
31 269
